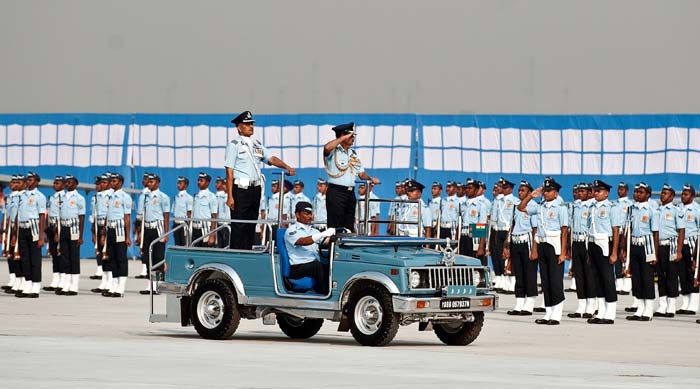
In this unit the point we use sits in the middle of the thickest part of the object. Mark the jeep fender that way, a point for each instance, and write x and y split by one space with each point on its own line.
225 271
378 277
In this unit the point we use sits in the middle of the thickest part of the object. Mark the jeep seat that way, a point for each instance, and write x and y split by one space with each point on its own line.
299 285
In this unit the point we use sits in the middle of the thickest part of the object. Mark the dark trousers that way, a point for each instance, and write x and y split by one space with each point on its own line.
179 235
30 255
341 207
686 273
98 246
446 233
56 260
524 270
116 255
619 268
196 234
468 248
158 253
70 253
642 274
667 273
246 207
313 269
584 273
604 273
552 275
498 238
223 237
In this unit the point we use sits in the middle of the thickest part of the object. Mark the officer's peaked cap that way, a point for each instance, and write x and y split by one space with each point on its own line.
303 206
70 177
525 184
600 184
346 128
244 117
551 184
204 176
414 185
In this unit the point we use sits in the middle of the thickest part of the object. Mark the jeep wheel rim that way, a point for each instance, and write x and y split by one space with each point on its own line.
368 315
210 309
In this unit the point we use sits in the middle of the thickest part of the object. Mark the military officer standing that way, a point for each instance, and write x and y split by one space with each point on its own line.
449 213
138 223
474 211
156 217
72 220
204 207
414 190
182 209
373 210
644 245
11 210
551 222
244 180
671 237
501 221
623 284
319 205
519 250
583 272
31 219
434 204
222 236
117 235
298 193
343 166
394 208
691 216
54 204
100 207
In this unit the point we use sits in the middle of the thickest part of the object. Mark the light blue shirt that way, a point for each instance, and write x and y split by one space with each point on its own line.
449 210
435 208
604 215
182 203
475 211
204 205
273 206
691 216
54 203
319 205
644 219
410 214
140 203
32 203
504 208
73 205
549 216
580 212
156 205
299 254
222 209
670 221
345 164
102 203
373 208
119 204
244 155
522 221
12 204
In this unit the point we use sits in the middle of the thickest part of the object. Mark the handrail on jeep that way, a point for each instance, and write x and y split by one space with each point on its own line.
367 200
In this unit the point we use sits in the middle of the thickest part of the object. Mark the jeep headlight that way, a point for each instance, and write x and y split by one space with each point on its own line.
477 277
414 279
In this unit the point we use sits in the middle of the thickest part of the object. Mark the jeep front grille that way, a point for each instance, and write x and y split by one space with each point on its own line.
438 277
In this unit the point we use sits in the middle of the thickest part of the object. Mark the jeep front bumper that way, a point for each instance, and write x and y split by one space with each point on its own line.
405 304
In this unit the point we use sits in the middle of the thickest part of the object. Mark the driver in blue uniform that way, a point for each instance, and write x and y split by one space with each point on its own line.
302 240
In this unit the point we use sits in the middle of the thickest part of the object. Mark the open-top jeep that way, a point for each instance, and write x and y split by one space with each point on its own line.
376 284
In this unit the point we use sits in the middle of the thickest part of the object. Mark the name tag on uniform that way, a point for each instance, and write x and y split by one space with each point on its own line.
669 216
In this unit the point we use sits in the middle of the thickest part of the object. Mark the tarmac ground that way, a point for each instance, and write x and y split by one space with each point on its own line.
93 341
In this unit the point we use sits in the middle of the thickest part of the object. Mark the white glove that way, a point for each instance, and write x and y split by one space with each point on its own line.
318 237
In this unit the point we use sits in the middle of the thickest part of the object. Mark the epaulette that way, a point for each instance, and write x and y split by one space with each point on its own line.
234 141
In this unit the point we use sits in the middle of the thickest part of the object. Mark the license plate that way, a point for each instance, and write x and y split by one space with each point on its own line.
454 303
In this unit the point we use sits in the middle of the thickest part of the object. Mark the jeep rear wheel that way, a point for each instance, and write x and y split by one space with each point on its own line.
215 310
460 333
372 318
297 328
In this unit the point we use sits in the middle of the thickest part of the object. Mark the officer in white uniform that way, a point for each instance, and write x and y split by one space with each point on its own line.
302 242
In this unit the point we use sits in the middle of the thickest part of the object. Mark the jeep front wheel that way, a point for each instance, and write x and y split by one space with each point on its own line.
372 318
214 310
459 333
297 328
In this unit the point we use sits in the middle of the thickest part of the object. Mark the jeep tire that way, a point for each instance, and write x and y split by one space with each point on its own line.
214 310
297 328
460 335
371 315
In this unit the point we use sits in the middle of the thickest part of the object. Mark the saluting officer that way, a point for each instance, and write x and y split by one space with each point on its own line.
11 209
117 235
414 190
138 223
222 236
604 224
671 237
244 180
519 249
434 204
72 211
182 209
30 227
552 222
584 275
691 212
54 204
474 211
643 252
449 213
319 205
343 166
204 207
156 217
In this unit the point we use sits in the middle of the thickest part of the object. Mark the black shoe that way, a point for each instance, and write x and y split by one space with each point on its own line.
98 290
6 287
553 323
574 315
33 295
60 292
525 313
71 293
541 321
95 277
539 309
659 314
140 277
684 312
669 314
634 318
593 320
606 321
697 321
630 309
569 290
145 292
49 288
107 293
595 312
10 291
21 294
117 295
645 318
587 316
623 293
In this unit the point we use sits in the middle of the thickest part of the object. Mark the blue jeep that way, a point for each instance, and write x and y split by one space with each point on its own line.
376 285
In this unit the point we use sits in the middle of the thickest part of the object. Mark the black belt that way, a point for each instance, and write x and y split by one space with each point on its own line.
341 187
